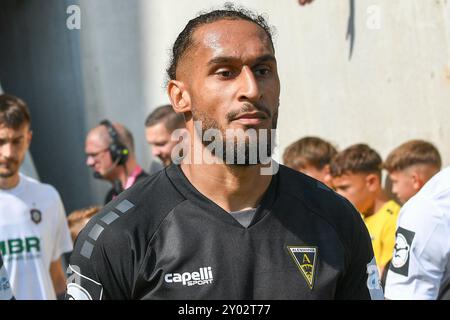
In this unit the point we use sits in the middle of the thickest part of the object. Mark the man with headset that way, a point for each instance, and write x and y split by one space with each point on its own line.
110 153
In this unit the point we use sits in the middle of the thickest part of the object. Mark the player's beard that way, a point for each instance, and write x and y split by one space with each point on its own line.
246 149
9 168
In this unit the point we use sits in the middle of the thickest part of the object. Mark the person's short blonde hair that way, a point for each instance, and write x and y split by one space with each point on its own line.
411 153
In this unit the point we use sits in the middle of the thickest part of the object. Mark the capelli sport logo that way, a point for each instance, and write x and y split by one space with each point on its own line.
201 277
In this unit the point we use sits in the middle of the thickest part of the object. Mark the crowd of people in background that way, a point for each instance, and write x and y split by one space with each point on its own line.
356 174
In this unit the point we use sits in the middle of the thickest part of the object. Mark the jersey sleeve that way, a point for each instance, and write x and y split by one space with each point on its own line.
101 265
420 254
361 279
62 240
5 287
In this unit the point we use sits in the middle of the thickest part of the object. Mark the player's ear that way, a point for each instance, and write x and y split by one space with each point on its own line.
29 137
417 181
179 96
327 174
372 181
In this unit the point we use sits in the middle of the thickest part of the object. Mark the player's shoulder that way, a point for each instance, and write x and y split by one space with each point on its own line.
321 199
436 193
134 215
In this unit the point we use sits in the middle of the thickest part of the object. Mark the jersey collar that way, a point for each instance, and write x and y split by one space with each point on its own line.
184 186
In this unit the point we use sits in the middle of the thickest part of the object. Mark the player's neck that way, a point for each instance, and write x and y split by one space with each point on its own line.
10 182
380 200
233 188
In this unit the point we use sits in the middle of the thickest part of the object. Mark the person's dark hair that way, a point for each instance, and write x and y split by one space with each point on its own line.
184 40
165 114
412 153
358 158
312 151
14 112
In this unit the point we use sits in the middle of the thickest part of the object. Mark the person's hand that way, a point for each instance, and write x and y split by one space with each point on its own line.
303 2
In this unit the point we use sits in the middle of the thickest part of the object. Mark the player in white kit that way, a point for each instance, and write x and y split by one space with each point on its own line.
33 227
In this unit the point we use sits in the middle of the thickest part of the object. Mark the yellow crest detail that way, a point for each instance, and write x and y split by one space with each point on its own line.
305 258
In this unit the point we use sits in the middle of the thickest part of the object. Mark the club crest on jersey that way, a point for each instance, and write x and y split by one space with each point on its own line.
36 215
305 259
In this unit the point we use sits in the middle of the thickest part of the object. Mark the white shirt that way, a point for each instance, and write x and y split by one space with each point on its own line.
33 233
421 260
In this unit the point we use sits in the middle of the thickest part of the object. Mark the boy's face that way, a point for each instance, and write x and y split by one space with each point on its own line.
323 175
356 187
404 184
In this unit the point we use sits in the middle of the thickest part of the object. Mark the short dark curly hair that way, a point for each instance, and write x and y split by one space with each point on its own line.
184 40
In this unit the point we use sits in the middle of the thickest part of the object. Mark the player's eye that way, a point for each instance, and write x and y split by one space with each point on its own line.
262 70
17 142
226 73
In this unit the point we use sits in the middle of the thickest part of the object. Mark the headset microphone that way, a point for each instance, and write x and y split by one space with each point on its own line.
98 175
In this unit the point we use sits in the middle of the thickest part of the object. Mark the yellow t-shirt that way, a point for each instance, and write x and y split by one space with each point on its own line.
382 226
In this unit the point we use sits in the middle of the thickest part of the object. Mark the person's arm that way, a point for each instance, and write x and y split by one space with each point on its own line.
62 243
58 278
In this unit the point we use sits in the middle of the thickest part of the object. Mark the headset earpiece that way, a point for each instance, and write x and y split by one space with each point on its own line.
119 152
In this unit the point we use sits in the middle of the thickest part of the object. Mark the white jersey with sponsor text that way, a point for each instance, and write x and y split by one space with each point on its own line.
33 233
420 267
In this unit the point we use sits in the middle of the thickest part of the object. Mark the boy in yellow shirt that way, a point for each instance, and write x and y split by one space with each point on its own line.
356 175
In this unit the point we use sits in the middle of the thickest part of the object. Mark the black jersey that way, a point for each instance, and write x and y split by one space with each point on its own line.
162 239
113 192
